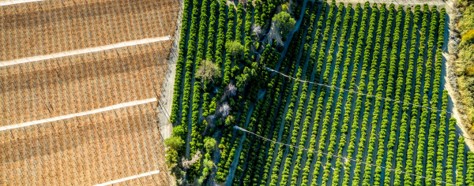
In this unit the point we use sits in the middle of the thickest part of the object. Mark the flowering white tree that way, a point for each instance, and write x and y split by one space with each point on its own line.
231 90
208 71
187 163
224 110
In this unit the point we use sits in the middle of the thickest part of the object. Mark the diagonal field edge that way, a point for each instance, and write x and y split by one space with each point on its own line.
129 178
13 2
82 51
69 116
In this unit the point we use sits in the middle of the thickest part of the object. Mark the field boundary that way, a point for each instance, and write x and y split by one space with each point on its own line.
167 90
450 77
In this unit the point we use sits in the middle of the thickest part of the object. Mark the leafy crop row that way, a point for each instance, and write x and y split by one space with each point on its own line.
386 123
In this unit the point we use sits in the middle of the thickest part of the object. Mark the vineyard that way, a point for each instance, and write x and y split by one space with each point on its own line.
79 88
352 94
87 150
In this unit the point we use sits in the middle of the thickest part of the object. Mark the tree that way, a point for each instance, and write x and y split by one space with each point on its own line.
257 30
284 22
274 34
209 143
229 120
208 71
234 47
187 163
224 110
231 90
247 75
174 142
179 131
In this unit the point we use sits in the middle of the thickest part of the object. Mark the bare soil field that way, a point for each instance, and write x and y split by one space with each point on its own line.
90 149
69 85
46 27
86 150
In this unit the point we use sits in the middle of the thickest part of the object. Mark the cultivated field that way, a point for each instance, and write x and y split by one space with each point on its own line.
354 96
53 26
67 68
79 83
85 150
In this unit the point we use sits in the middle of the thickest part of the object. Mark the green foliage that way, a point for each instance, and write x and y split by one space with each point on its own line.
378 51
468 37
174 142
470 70
208 71
284 22
209 143
234 47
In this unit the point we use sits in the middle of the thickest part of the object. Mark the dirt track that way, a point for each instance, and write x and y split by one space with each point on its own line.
89 149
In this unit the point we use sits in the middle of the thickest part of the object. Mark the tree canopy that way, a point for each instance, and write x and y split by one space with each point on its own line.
208 71
284 22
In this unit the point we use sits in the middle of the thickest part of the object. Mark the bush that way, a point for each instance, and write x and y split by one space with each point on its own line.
174 142
468 37
470 70
234 47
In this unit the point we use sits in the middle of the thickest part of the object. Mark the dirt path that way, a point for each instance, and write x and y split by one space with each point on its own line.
13 2
167 90
450 82
70 116
455 114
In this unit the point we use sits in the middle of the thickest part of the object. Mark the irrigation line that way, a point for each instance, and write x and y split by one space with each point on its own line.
83 51
361 93
129 178
340 157
14 2
79 114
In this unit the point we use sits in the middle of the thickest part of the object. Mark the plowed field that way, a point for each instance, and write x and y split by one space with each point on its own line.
85 150
98 147
79 83
52 26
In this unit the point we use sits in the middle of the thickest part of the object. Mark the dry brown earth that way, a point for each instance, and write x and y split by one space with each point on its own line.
95 148
75 84
85 150
46 27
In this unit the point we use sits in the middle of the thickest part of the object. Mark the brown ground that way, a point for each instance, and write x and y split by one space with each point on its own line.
56 87
86 150
90 149
40 28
